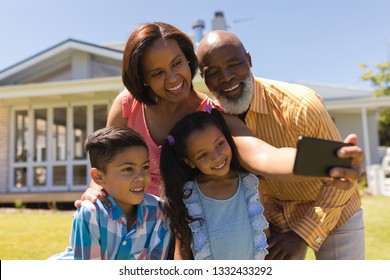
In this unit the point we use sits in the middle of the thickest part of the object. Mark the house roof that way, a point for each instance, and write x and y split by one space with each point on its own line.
54 57
55 54
331 92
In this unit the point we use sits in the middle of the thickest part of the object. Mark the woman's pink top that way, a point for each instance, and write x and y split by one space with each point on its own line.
135 113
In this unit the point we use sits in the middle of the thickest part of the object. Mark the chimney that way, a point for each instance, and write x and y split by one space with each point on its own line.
198 26
218 22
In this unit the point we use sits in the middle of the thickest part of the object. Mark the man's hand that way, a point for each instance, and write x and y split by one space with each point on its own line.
285 245
357 155
93 193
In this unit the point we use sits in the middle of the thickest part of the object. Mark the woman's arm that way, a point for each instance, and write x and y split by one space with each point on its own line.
115 116
93 193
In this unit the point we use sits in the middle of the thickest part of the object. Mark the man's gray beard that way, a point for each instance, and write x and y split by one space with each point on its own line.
241 103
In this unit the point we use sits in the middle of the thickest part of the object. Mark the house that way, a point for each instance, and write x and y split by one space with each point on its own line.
49 104
355 111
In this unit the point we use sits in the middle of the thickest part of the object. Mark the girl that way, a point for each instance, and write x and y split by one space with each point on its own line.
212 202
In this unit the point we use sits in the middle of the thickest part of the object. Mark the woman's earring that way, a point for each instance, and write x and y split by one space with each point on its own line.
145 85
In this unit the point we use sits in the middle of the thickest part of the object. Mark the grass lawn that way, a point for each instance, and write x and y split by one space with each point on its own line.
36 235
376 213
33 235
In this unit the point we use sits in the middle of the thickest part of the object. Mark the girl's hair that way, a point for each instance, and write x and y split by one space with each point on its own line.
105 143
175 172
139 41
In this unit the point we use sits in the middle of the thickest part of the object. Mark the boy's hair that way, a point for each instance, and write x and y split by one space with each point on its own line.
175 172
105 143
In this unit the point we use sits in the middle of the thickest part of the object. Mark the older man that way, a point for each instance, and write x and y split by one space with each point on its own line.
326 218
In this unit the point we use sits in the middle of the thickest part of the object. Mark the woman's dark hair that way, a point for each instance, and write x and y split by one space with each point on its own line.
105 143
175 172
139 41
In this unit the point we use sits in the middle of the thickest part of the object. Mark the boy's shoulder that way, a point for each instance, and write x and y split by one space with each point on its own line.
88 205
91 207
151 200
152 207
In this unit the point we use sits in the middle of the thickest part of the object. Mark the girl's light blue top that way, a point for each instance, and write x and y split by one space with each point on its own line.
231 228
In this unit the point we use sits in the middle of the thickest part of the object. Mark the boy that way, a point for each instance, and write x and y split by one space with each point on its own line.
135 226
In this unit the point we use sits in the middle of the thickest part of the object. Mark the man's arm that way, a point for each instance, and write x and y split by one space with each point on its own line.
265 160
285 245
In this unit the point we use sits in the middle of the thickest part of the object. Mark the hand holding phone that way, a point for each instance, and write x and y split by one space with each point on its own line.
315 157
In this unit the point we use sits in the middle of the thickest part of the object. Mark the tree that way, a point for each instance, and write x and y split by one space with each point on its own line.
380 79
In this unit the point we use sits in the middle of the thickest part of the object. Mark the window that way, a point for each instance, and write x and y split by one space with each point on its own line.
48 148
59 134
21 133
40 135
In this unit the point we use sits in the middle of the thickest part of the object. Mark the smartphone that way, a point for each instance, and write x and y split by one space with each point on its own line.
316 156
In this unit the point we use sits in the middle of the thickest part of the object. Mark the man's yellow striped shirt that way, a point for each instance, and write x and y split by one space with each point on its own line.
280 113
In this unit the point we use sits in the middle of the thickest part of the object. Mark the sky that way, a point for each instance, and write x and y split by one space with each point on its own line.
321 41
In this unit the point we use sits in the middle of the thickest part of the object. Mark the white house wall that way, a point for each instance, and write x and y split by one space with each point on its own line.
4 147
348 123
95 68
81 65
101 68
62 74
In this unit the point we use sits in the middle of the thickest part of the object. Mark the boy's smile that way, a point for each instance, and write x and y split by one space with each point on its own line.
127 177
